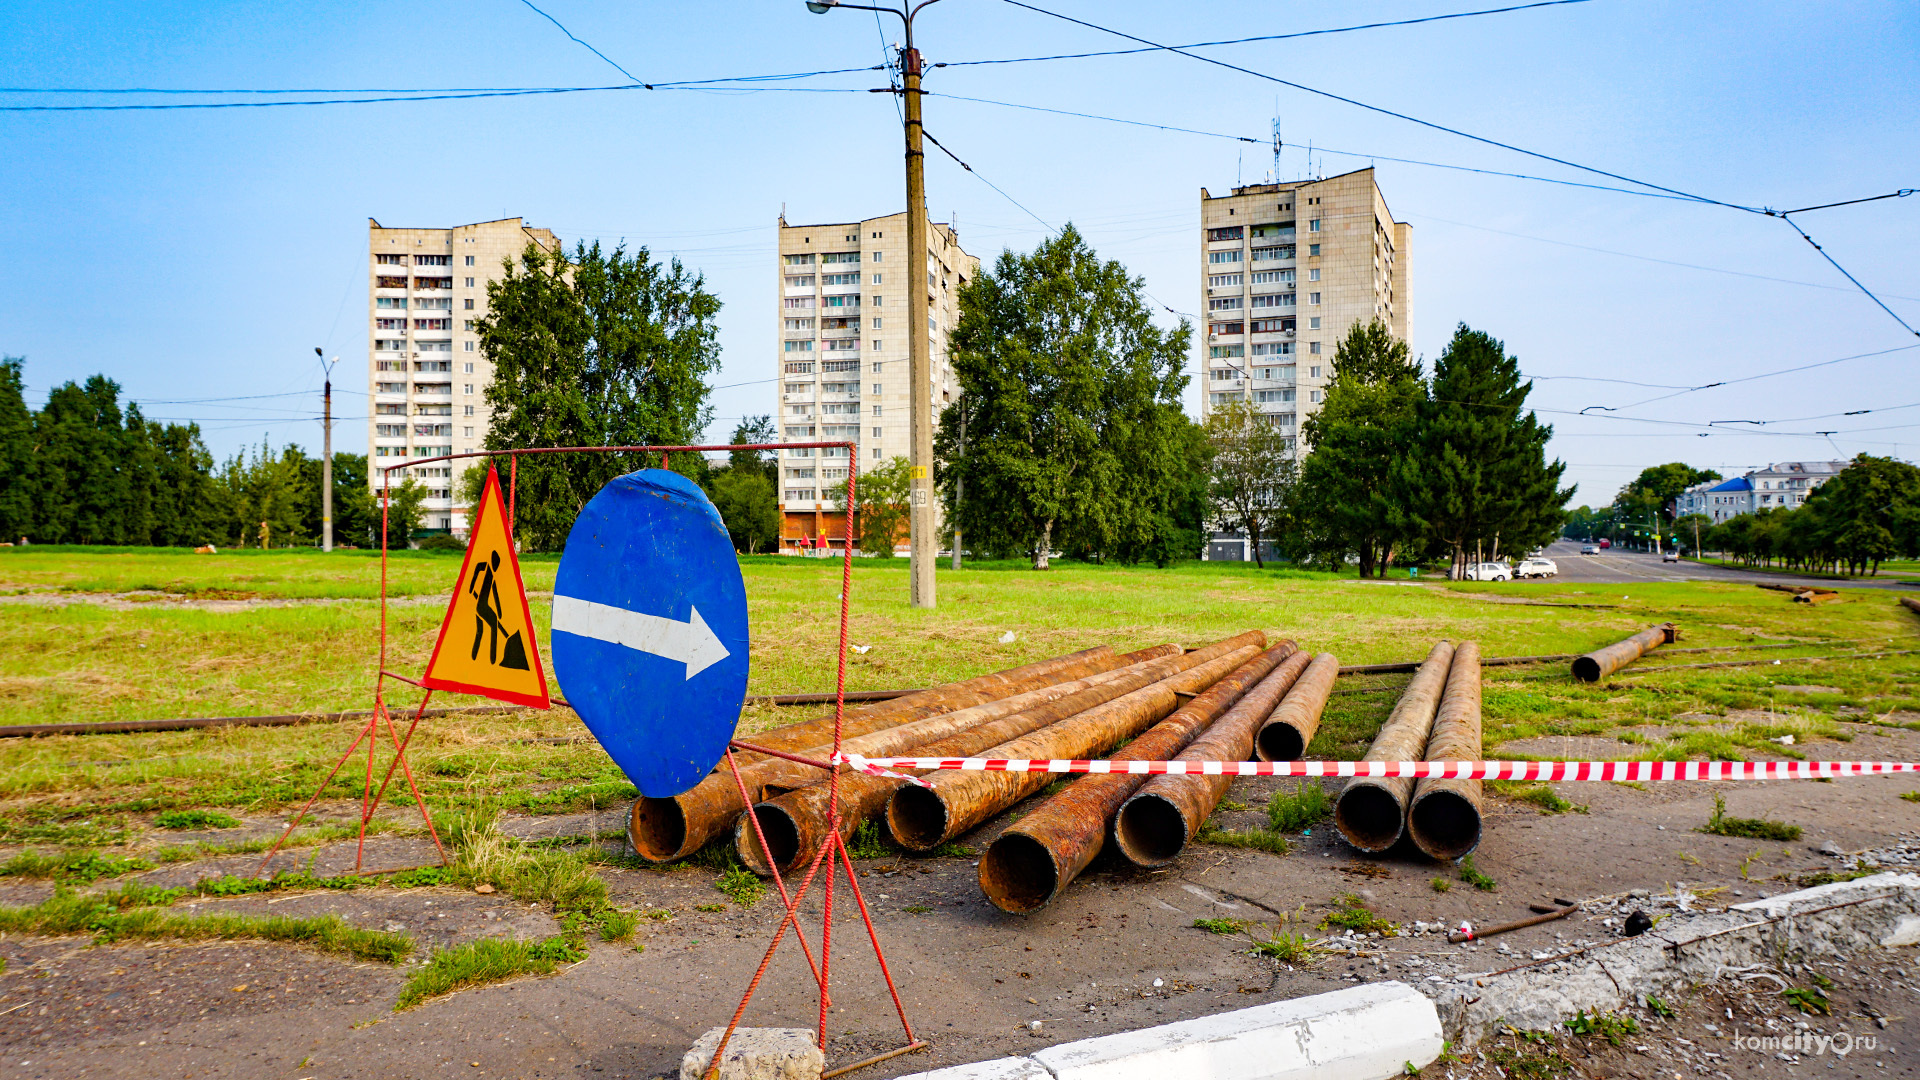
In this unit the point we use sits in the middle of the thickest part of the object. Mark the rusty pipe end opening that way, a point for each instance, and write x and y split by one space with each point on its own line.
917 818
1150 830
1445 825
1369 817
1279 742
1586 669
1017 873
657 828
783 839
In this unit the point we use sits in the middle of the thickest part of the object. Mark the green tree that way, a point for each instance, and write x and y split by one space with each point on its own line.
600 349
1071 395
881 496
1648 501
1349 495
1476 476
1183 506
1866 514
17 472
756 430
404 512
1253 475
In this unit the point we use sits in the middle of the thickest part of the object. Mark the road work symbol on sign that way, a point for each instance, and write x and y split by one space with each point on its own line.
650 629
487 645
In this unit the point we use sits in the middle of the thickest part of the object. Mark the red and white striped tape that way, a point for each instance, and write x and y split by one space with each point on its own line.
1459 770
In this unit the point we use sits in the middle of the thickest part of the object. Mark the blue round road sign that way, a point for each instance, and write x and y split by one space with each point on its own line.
650 629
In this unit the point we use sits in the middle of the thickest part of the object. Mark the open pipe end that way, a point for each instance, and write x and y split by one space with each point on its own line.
1279 742
1369 817
1017 873
1586 669
657 829
1150 830
1445 825
783 838
917 818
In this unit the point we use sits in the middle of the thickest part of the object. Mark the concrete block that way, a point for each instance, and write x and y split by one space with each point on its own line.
1008 1068
757 1054
1366 1032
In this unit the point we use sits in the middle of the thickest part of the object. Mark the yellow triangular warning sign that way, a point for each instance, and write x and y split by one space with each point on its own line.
487 645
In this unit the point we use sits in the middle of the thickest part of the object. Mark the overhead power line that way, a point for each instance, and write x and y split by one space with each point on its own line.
1265 37
582 44
1179 51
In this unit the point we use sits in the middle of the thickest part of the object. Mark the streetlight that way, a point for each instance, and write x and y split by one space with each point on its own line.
919 348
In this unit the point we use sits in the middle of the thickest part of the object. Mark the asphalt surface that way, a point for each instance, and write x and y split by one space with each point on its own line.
1614 565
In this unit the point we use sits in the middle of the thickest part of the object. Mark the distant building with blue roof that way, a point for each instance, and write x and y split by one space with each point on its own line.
1783 485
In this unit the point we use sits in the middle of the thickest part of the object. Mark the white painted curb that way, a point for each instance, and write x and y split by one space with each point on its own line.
1366 1032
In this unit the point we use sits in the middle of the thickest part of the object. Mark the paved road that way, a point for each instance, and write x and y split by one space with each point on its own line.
1615 565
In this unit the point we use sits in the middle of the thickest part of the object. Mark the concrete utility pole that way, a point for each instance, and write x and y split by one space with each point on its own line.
920 519
326 455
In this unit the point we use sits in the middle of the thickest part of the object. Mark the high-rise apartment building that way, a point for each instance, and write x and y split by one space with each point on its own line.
425 372
841 357
1286 269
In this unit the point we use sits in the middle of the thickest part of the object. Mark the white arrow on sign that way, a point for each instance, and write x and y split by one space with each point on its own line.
691 642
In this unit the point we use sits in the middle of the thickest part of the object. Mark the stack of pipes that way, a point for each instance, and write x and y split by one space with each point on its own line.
1436 719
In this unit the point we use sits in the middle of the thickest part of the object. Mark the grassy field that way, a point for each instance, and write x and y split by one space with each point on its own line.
307 640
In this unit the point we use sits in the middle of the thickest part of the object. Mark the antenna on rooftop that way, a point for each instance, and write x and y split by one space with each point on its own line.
1277 144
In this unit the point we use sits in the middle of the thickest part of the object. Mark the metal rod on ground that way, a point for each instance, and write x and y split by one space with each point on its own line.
1444 817
1601 663
1289 731
1033 860
797 824
1155 824
1518 924
1911 604
673 827
1372 812
923 818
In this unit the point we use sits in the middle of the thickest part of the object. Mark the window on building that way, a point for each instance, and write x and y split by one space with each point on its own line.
1273 348
390 388
1314 298
1269 254
1313 372
468 390
798 346
390 260
468 347
1313 250
1314 225
1226 328
1221 352
877 300
876 433
1313 347
1231 232
877 388
1270 277
469 263
840 256
1270 300
1224 281
1226 398
1313 274
840 365
877 255
1224 256
389 344
433 324
469 411
389 283
433 303
797 302
469 307
876 410
876 279
389 324
1225 303
1223 374
799 367
839 279
799 281
1272 326
469 283
798 387
805 259
399 302
798 324
1313 395
800 494
432 260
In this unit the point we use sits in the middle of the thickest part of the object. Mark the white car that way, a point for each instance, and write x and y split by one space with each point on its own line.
1538 566
1488 571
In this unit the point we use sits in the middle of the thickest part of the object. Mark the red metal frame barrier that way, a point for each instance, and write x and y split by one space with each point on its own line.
835 852
1565 771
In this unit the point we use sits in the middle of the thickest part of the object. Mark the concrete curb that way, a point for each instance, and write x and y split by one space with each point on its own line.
1366 1032
1827 921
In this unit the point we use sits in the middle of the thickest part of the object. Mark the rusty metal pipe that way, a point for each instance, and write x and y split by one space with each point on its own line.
665 828
923 818
819 730
1372 811
795 824
1029 864
1290 730
1444 817
1601 663
1155 824
794 842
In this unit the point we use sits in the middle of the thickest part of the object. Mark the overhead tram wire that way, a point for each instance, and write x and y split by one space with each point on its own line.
1264 37
582 44
976 175
1179 51
702 85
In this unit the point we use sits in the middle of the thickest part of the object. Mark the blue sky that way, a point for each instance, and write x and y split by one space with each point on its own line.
203 254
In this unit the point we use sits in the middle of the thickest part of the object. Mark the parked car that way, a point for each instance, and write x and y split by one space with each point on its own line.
1670 556
1589 549
1488 571
1538 566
